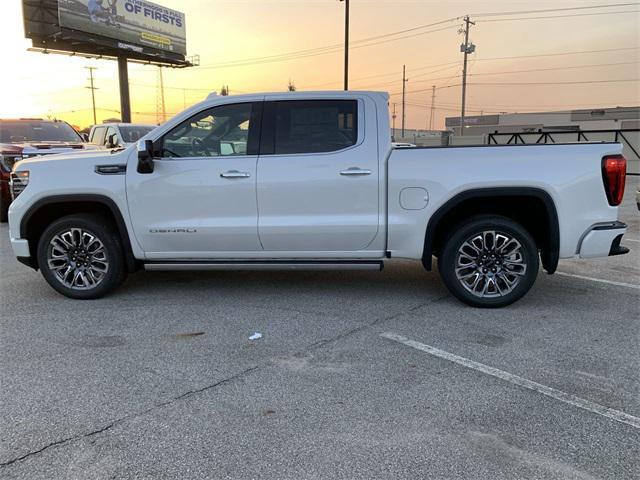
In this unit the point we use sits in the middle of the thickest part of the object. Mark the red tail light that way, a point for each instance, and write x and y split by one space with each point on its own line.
614 169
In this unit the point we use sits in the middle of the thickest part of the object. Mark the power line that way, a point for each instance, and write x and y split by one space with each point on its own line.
559 83
389 74
285 59
365 42
555 68
554 54
548 10
502 84
559 54
557 16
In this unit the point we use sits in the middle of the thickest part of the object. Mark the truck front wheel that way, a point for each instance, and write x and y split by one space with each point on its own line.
489 261
81 257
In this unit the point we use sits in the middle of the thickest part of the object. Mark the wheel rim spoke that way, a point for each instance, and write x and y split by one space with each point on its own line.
490 264
77 258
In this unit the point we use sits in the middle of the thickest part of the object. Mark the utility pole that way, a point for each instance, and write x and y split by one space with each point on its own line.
465 48
93 94
393 117
161 112
125 99
346 44
433 106
404 84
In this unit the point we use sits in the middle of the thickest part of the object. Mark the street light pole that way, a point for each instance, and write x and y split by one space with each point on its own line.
346 44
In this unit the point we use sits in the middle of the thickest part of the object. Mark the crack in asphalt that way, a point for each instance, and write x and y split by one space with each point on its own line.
132 415
246 371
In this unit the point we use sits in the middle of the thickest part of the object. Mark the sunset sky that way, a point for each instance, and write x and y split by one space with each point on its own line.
246 31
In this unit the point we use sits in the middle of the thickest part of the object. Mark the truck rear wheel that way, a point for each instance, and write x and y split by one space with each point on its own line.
489 261
81 257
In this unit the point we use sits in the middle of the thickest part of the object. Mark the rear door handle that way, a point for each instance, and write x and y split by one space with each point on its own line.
355 171
235 174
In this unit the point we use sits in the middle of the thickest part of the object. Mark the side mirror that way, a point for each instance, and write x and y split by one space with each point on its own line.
111 141
85 136
145 156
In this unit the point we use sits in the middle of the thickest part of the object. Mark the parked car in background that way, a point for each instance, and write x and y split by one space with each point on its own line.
31 137
113 135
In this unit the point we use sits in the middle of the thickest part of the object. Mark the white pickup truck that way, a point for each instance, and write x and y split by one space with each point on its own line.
311 181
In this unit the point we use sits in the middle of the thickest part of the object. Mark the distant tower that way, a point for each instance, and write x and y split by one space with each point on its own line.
161 111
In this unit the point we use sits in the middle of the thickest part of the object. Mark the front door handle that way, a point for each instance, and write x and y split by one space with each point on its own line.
235 174
355 171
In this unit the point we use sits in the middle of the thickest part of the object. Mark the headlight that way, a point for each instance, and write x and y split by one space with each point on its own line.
19 181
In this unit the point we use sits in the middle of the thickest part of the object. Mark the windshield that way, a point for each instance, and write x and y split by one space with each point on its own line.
132 133
37 131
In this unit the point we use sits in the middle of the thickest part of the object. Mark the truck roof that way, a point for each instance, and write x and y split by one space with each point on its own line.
303 94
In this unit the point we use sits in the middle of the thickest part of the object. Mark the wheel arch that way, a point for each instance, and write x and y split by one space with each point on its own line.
48 209
486 200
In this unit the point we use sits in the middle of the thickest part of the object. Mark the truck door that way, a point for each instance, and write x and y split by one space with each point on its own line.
200 200
318 176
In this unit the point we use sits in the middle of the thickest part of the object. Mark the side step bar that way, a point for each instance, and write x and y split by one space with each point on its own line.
266 265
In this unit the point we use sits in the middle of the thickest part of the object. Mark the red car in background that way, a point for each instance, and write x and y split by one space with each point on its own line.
30 137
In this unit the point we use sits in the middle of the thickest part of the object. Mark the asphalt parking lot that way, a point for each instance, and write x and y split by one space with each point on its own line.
357 375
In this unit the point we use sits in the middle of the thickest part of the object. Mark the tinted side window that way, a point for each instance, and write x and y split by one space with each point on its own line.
218 131
313 126
110 131
98 136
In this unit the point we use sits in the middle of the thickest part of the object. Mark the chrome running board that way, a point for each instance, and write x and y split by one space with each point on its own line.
265 265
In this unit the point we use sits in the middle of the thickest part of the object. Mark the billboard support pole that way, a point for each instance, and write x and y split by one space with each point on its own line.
125 102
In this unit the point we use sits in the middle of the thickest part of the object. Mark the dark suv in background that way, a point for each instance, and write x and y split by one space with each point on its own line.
30 137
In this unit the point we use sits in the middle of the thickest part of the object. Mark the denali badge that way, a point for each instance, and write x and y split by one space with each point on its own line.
173 230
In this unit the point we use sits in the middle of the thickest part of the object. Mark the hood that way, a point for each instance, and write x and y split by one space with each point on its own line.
89 155
32 149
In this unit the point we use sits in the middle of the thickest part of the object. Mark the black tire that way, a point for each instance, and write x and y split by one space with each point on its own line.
508 275
109 258
4 210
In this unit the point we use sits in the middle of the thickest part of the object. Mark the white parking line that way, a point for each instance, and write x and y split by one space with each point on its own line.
592 407
600 280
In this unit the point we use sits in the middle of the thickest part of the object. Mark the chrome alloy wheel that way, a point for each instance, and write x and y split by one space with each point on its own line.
490 264
78 259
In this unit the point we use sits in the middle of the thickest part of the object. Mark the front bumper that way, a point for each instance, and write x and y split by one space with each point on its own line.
603 240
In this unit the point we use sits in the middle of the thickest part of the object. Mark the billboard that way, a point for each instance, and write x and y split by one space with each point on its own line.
133 23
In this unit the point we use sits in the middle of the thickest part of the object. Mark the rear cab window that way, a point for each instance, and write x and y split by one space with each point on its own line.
310 126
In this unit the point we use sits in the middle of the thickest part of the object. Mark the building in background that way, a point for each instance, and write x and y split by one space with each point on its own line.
616 118
617 124
420 137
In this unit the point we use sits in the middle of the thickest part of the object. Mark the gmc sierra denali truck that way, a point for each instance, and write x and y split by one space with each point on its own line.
311 181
